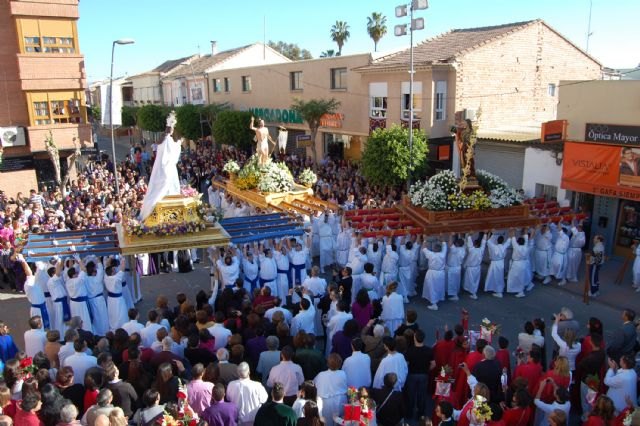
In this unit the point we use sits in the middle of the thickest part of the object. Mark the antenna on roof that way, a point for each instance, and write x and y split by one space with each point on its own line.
264 37
589 33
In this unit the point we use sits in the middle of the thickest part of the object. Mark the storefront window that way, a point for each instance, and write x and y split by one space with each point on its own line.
629 223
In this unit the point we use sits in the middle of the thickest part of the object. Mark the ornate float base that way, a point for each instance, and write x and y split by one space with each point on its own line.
174 209
212 235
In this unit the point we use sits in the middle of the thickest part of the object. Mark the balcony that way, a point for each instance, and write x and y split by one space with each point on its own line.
63 135
49 71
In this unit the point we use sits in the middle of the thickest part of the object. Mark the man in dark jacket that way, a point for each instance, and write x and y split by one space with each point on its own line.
389 402
489 372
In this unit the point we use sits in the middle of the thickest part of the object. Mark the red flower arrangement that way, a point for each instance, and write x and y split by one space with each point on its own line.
27 367
185 416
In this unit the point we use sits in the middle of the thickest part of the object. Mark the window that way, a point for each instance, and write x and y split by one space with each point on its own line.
57 108
378 100
40 35
41 113
217 86
417 96
227 88
338 78
53 45
246 83
32 44
296 80
546 191
440 100
551 89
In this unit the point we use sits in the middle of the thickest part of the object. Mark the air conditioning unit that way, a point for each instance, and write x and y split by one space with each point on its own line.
470 114
12 136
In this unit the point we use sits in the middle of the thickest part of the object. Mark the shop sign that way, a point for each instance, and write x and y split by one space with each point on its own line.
612 134
610 171
554 131
13 164
275 115
303 141
332 120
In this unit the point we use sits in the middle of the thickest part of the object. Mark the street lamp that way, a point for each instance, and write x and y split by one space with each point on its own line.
193 74
113 139
401 30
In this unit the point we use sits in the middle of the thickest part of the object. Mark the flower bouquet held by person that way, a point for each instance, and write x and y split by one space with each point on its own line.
481 413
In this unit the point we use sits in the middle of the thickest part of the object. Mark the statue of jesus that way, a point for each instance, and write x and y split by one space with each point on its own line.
164 178
262 141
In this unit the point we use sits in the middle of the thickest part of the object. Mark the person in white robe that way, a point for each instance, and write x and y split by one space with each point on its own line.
315 233
164 178
61 312
315 285
392 308
393 362
518 278
405 268
455 259
78 296
95 292
560 257
33 290
298 260
127 282
305 319
268 274
326 243
332 389
343 245
250 271
374 255
369 282
358 261
389 267
215 198
44 271
214 280
576 244
336 323
544 250
116 306
497 248
472 263
283 281
415 257
228 268
435 279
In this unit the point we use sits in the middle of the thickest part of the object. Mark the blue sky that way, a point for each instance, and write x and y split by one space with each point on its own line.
166 29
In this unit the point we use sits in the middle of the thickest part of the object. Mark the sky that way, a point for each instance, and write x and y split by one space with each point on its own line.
164 29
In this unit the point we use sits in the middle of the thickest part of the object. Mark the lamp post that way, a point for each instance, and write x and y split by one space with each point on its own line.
193 74
113 139
401 30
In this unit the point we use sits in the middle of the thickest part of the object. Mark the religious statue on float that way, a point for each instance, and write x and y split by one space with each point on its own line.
465 141
262 141
164 178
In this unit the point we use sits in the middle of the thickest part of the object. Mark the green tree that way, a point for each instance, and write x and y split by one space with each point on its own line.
376 27
129 116
329 53
340 34
95 113
312 111
152 118
188 117
232 128
210 113
387 159
290 50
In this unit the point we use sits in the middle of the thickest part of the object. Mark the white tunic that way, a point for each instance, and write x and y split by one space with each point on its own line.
518 277
250 272
472 263
59 298
391 363
343 244
392 311
405 270
78 300
434 280
282 267
325 234
228 274
332 389
455 259
95 291
495 275
42 278
36 298
336 323
298 262
358 370
560 256
574 254
116 306
389 267
544 250
370 283
269 274
375 257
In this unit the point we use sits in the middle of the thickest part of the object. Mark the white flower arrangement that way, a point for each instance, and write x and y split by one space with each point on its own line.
231 167
307 177
276 177
500 193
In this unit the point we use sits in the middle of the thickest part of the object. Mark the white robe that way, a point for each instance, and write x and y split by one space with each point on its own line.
392 311
268 275
335 324
455 259
164 178
116 306
325 234
77 289
405 271
228 274
375 257
389 268
315 236
58 292
282 282
560 257
574 255
343 245
298 261
472 270
42 278
495 275
332 389
519 277
391 363
434 280
371 284
544 249
95 290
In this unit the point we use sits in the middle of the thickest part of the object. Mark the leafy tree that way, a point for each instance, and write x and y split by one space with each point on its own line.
340 34
232 128
376 27
129 116
312 111
210 113
290 50
152 118
95 113
387 159
329 53
188 117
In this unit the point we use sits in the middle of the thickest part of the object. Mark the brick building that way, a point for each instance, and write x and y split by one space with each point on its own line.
42 91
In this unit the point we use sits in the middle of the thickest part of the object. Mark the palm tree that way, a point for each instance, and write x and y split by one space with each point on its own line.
376 27
312 111
329 53
340 34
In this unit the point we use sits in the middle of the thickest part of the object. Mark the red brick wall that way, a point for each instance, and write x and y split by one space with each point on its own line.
21 181
53 8
13 105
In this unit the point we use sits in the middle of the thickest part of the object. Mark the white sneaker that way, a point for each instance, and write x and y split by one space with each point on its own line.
562 282
529 287
406 299
473 296
521 294
546 280
433 307
454 298
498 295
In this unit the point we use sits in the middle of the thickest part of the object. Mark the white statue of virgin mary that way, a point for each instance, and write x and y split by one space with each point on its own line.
164 176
